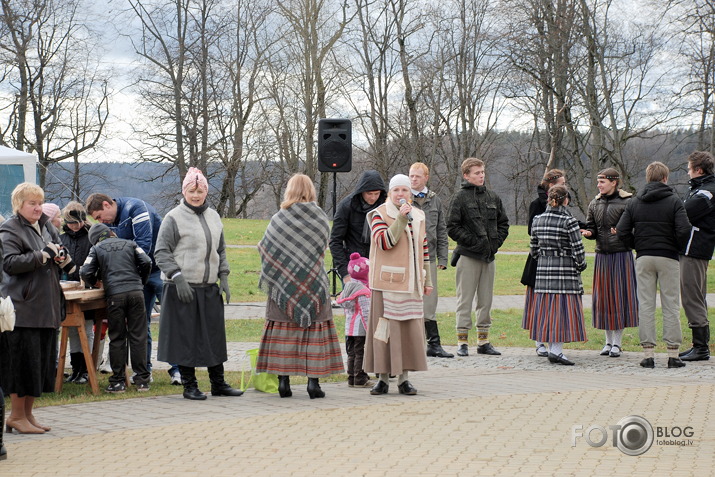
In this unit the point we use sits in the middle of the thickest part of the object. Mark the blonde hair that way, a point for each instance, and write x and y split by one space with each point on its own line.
656 172
421 166
299 189
25 191
470 162
80 213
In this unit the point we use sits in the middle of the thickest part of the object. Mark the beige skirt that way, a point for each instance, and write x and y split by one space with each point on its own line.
405 349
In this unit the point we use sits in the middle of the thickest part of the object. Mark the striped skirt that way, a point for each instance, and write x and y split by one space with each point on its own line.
558 318
527 319
286 349
615 303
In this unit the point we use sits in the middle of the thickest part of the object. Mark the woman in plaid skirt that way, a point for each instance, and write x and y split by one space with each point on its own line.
556 245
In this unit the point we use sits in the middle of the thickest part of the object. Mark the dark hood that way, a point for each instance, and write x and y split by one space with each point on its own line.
81 232
370 180
654 191
542 193
697 182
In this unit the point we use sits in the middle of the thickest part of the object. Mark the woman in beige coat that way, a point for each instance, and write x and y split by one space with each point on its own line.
399 278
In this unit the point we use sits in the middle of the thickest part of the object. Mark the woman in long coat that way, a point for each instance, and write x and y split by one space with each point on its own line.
399 276
528 278
615 301
557 246
31 262
191 253
299 337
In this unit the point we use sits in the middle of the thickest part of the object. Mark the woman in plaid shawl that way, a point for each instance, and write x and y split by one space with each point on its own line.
557 246
299 337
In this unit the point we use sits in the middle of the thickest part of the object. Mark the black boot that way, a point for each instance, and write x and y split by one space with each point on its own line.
3 452
314 390
701 345
284 386
219 387
191 385
434 347
75 360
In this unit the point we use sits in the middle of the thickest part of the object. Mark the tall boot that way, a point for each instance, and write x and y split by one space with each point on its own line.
75 360
191 385
219 387
284 386
3 452
434 346
701 345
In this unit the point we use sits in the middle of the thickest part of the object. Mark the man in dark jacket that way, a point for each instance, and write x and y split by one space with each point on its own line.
478 223
438 243
656 224
123 268
350 233
695 256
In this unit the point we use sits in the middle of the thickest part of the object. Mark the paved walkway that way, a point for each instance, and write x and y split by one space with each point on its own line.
514 414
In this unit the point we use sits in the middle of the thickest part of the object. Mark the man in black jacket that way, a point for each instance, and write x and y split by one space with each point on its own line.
350 233
123 268
656 225
478 223
695 256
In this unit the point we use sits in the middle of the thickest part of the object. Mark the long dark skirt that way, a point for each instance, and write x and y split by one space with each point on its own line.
527 319
27 361
615 300
287 349
192 334
558 318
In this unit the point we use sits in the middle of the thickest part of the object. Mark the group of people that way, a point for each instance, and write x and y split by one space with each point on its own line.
673 239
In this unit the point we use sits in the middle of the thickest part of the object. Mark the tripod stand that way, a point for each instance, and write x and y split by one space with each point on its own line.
333 274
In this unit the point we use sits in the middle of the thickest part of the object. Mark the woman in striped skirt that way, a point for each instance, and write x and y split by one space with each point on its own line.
556 245
299 337
615 304
528 278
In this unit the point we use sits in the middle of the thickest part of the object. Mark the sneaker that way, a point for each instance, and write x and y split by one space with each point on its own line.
82 379
142 388
116 388
366 384
104 367
176 379
131 378
615 351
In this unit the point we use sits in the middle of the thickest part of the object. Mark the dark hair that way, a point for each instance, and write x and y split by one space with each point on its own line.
611 174
702 160
557 195
95 201
550 178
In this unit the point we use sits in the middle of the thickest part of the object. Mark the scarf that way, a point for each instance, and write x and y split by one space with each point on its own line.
292 270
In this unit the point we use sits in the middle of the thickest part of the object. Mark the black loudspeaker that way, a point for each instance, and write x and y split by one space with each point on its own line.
335 145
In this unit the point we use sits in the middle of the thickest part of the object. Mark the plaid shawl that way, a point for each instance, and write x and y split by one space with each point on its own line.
292 270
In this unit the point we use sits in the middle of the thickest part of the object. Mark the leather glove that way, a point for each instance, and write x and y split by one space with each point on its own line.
49 252
223 288
183 289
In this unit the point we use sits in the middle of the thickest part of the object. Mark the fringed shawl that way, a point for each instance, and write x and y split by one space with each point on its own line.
292 270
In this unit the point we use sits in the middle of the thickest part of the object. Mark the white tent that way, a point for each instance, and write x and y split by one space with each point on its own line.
15 167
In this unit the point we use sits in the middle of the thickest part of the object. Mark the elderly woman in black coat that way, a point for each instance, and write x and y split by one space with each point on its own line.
31 256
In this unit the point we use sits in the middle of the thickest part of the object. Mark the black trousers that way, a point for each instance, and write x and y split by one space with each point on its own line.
355 348
127 336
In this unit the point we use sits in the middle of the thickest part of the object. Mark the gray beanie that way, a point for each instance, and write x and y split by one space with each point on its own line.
99 232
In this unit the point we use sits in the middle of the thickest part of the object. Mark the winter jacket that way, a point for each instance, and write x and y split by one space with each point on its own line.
654 222
604 211
138 221
192 243
477 222
77 245
557 246
33 286
120 264
537 206
437 238
350 232
700 207
355 300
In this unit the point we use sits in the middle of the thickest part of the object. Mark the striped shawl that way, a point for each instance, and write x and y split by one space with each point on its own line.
292 270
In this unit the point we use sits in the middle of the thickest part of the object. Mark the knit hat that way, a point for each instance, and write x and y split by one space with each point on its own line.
194 178
99 232
400 180
358 267
51 210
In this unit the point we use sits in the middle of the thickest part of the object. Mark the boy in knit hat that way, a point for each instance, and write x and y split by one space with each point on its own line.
123 268
355 300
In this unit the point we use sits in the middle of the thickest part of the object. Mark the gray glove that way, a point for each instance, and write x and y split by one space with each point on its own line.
183 289
223 288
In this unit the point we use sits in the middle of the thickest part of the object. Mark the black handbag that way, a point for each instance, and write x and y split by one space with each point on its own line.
528 277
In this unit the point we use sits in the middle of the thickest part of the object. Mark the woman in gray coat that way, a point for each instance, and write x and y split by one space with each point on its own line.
191 253
31 257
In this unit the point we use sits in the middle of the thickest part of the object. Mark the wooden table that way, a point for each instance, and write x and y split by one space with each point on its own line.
77 302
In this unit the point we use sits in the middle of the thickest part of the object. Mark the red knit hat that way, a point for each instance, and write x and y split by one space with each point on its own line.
358 267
